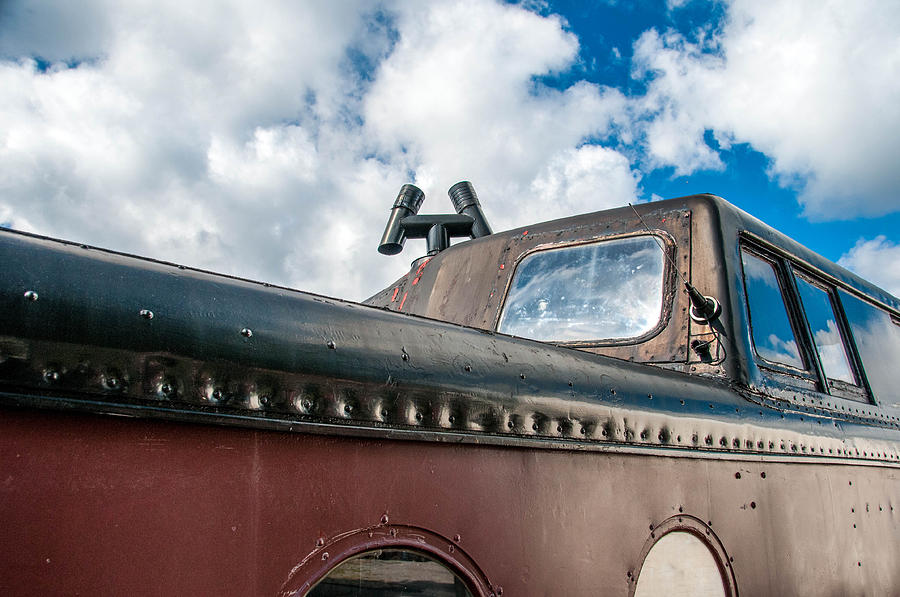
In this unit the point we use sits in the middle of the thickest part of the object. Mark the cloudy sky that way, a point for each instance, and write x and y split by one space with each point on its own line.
269 139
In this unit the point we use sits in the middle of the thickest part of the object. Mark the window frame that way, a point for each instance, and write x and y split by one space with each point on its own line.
667 287
785 286
787 270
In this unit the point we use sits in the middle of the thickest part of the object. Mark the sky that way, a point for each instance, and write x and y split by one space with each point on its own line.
269 139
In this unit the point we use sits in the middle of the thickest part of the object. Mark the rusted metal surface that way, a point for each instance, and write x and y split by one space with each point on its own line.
267 427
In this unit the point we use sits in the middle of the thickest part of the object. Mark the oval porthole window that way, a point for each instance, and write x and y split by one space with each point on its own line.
390 573
680 564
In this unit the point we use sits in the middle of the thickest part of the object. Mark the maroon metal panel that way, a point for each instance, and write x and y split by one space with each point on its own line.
109 506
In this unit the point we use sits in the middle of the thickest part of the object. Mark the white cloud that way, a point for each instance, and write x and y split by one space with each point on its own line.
269 140
811 84
458 93
877 260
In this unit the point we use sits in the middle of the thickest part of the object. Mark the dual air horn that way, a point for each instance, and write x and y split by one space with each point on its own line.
437 230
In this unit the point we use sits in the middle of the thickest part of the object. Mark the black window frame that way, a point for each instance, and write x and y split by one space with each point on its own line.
787 269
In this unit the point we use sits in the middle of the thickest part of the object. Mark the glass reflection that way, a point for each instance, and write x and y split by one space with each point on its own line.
607 290
826 335
877 339
390 573
770 326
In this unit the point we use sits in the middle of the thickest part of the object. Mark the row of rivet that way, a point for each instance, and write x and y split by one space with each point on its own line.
461 417
32 295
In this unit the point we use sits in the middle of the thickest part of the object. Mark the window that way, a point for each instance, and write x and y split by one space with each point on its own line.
773 336
877 338
390 573
680 564
825 331
608 290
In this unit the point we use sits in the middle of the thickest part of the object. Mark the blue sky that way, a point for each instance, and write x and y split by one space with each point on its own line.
267 140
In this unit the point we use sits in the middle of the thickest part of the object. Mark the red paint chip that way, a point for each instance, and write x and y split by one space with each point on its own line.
400 308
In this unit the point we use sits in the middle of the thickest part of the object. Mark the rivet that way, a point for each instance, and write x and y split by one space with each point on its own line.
246 332
468 368
559 428
348 409
167 389
457 538
307 404
583 431
325 557
384 414
30 295
146 313
451 418
330 344
217 394
393 532
384 519
404 356
510 424
264 400
521 376
51 375
418 416
534 426
320 541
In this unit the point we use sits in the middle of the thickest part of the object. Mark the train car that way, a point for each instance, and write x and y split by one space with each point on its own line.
669 398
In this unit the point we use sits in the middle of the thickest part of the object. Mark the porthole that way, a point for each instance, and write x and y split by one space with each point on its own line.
387 560
390 573
684 557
